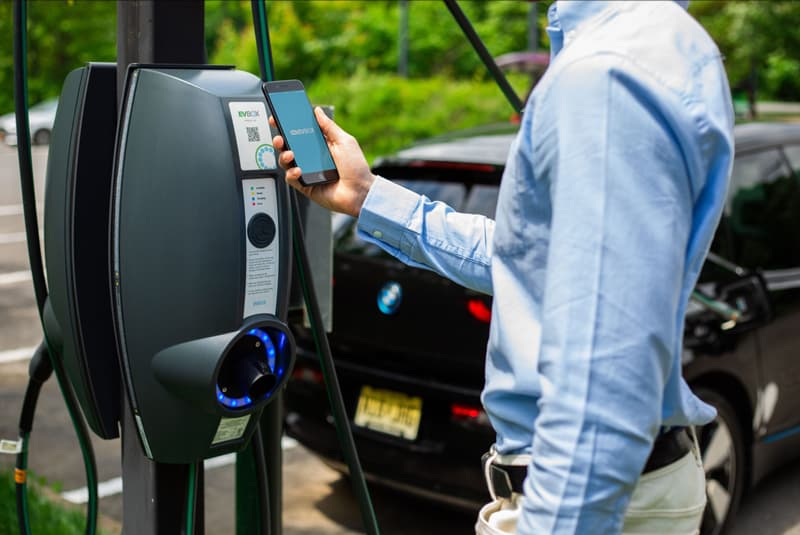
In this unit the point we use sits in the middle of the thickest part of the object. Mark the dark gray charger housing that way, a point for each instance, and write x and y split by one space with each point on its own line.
200 251
77 317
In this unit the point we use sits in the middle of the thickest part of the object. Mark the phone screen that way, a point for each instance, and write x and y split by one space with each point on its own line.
300 127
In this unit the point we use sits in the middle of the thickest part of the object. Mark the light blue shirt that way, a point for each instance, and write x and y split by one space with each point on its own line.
610 197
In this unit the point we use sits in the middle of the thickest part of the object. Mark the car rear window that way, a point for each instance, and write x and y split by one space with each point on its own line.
482 199
763 212
476 199
793 155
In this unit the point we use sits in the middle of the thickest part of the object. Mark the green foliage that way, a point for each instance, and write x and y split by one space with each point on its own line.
782 76
760 43
225 13
386 112
62 36
319 37
46 517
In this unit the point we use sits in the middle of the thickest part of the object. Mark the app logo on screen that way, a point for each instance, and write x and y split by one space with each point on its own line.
301 130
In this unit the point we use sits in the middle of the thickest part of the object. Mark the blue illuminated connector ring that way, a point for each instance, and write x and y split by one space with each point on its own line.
269 349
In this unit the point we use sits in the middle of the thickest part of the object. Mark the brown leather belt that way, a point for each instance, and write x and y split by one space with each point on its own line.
667 448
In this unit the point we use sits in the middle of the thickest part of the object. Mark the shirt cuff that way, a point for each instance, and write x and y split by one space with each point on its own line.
387 211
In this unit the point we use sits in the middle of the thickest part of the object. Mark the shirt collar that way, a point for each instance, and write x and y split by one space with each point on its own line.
565 16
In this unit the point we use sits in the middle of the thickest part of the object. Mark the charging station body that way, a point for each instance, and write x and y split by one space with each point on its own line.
200 252
77 315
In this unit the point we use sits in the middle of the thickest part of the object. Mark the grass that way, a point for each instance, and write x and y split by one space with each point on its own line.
47 517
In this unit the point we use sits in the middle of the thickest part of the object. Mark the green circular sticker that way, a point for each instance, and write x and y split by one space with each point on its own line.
265 157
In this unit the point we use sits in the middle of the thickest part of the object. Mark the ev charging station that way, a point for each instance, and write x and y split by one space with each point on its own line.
169 234
168 239
168 256
200 258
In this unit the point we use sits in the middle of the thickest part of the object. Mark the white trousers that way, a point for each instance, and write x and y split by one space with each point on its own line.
667 501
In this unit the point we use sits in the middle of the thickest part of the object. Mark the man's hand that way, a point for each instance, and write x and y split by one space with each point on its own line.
347 194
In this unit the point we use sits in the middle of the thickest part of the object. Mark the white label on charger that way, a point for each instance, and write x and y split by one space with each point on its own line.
230 429
253 136
261 272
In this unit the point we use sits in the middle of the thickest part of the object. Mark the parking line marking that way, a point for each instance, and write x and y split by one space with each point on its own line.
15 355
10 209
104 488
17 209
113 486
14 277
12 237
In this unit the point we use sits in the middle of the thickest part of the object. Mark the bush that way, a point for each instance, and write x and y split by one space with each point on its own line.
386 112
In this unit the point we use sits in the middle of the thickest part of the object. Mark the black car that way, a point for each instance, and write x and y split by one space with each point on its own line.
409 345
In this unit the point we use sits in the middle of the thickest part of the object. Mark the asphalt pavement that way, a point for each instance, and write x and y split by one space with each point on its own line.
316 499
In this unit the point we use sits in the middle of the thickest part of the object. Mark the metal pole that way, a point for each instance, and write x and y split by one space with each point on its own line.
167 31
533 35
533 27
402 59
249 519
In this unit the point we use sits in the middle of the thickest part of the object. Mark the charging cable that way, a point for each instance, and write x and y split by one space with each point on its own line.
44 360
40 370
340 418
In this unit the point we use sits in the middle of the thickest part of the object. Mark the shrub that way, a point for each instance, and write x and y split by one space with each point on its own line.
386 112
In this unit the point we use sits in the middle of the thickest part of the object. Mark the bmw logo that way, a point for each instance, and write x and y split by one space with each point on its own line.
389 298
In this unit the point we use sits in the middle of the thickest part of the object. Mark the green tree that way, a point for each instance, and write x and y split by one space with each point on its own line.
62 35
316 37
760 43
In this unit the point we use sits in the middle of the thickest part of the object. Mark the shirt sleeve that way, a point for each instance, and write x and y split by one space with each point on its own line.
621 221
428 234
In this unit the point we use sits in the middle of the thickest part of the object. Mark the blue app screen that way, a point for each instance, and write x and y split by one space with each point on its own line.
302 131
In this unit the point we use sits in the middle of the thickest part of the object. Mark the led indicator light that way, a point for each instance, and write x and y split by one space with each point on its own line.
269 349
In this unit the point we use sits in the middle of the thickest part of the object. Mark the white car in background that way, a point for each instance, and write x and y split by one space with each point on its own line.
41 118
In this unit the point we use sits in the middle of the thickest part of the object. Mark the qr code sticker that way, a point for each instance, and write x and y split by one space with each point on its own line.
253 134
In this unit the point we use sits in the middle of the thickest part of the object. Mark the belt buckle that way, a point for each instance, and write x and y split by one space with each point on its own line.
498 480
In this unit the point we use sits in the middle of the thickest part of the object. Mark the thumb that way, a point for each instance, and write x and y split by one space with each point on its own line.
332 131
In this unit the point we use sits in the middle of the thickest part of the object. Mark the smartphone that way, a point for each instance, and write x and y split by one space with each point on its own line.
289 105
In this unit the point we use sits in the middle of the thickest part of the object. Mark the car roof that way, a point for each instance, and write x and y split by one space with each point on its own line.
753 136
486 144
490 144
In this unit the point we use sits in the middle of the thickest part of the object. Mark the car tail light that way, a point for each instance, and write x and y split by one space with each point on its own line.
308 375
479 310
468 414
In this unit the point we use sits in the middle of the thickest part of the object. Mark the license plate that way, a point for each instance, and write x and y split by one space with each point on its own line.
389 412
